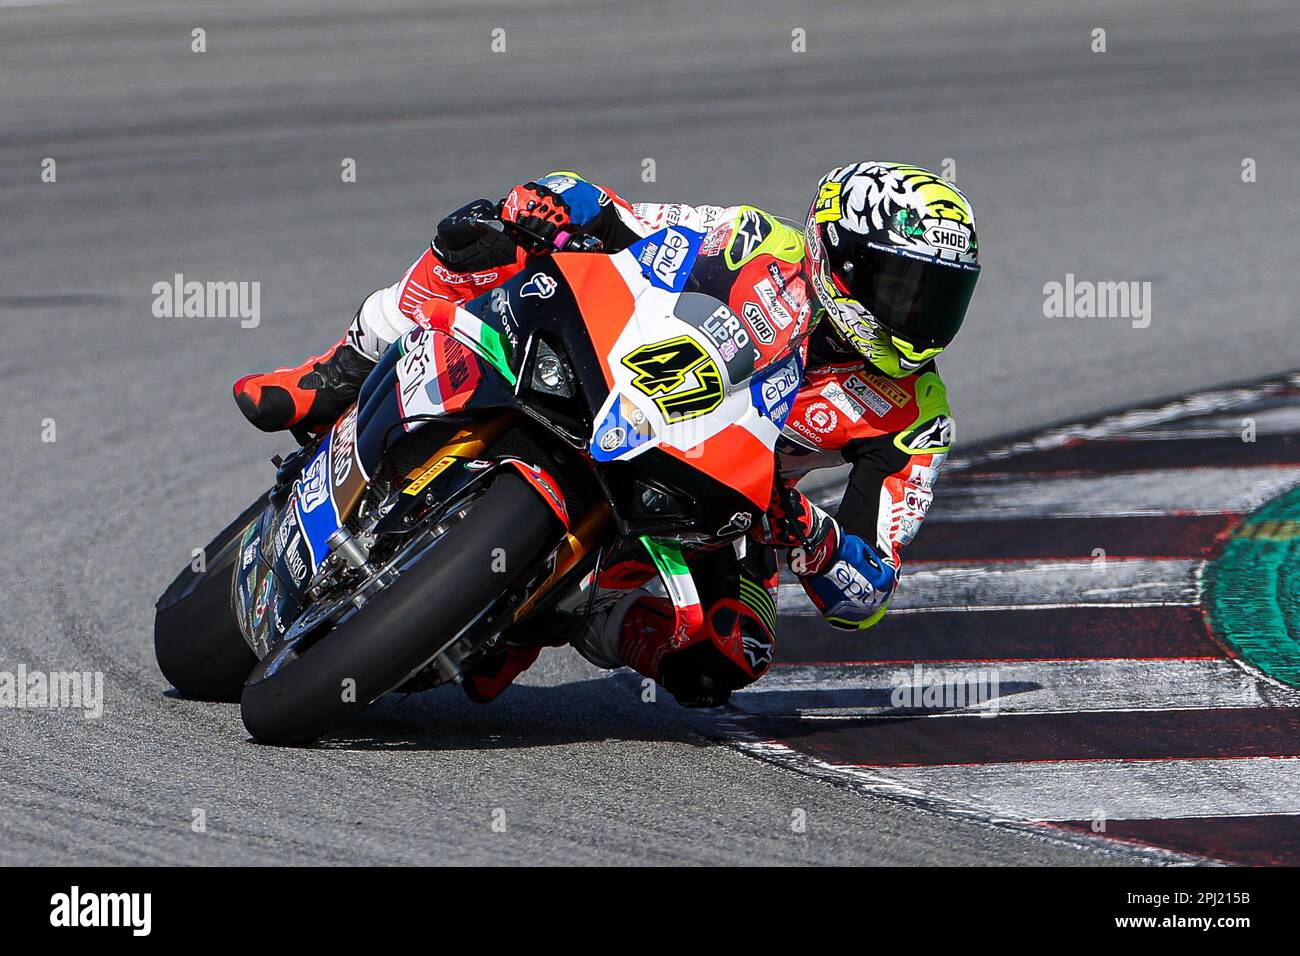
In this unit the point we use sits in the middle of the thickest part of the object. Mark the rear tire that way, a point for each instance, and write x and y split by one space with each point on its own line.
196 639
403 626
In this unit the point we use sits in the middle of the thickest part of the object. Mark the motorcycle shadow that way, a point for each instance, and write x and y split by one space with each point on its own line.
583 711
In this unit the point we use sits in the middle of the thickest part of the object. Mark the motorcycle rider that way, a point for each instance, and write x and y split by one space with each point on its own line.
872 290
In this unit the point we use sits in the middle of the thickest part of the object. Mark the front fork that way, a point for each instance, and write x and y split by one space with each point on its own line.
580 541
585 538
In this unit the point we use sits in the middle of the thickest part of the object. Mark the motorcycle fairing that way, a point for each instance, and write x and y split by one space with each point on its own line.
670 561
631 303
313 501
773 391
272 557
725 437
436 375
667 256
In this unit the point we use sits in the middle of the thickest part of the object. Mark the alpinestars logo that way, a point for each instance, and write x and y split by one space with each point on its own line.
936 433
758 651
751 232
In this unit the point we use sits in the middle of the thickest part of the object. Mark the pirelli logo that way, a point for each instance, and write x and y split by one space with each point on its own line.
895 393
441 465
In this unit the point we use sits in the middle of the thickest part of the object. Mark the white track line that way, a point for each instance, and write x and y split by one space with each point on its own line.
1036 687
1018 795
1128 494
1118 790
1281 420
889 787
1202 403
1126 581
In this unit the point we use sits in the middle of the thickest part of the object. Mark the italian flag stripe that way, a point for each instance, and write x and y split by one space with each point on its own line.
486 341
671 564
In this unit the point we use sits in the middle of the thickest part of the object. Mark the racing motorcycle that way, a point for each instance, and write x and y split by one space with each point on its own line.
492 464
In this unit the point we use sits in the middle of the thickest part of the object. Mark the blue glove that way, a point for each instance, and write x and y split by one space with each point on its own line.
582 198
853 587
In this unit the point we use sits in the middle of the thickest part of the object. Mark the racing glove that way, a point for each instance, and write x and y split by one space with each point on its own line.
471 240
853 589
842 574
798 525
546 213
539 216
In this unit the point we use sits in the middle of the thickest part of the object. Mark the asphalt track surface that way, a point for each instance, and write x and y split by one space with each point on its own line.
225 165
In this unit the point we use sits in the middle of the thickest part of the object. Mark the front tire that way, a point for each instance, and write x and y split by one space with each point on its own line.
403 626
196 638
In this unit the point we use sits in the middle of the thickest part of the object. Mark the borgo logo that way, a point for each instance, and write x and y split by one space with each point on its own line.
822 418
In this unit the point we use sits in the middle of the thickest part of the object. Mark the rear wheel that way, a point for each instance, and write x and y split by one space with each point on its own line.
300 691
196 638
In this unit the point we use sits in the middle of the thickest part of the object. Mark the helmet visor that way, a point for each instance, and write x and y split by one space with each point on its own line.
920 300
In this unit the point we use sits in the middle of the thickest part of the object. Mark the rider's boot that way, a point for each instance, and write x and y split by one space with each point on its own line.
628 629
631 629
490 677
308 398
520 645
638 630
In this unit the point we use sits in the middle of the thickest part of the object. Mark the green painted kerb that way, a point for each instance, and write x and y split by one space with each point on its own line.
1253 590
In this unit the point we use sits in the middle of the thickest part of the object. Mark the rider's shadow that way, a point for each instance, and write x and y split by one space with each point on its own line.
590 711
580 711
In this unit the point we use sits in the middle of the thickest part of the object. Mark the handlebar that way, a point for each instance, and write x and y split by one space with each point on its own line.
478 225
540 245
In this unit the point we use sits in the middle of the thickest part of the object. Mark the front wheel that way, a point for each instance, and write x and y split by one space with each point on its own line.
292 697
